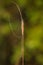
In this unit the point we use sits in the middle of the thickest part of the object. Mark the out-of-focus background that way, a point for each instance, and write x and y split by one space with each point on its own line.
10 45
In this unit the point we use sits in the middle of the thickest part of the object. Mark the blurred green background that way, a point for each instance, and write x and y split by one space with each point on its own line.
10 50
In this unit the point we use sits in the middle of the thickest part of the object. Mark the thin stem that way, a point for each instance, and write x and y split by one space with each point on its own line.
22 46
22 29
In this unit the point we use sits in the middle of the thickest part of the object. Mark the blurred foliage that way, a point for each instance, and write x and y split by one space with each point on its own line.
10 45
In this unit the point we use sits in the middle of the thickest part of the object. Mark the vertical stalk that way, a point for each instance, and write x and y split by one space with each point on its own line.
22 30
22 44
